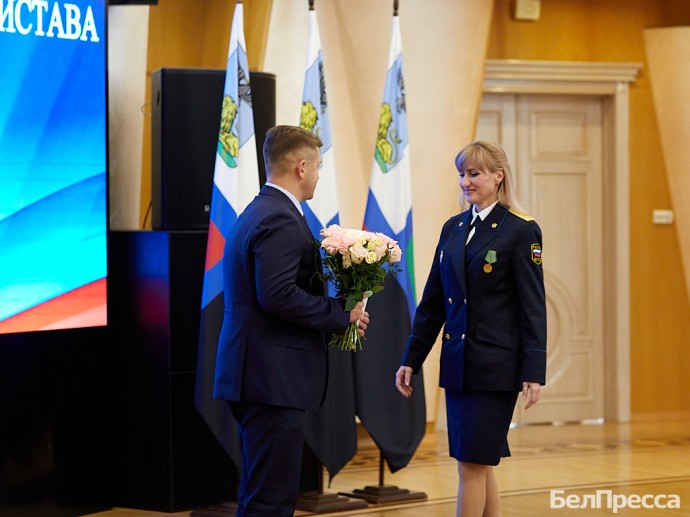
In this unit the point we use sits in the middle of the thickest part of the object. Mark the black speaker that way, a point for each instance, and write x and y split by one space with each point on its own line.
184 131
164 456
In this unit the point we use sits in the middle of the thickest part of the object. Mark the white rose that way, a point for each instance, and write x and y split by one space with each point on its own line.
358 253
395 253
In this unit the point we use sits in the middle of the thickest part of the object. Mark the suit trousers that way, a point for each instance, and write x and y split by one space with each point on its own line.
271 442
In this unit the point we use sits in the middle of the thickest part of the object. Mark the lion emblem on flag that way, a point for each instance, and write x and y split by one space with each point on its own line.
308 116
228 142
387 140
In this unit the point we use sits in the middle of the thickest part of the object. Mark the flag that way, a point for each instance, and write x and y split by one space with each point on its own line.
235 183
330 432
395 423
322 210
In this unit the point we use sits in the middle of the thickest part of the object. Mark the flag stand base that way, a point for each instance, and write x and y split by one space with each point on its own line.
384 494
218 510
318 501
309 502
325 502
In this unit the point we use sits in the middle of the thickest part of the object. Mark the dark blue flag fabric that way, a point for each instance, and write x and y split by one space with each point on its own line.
235 183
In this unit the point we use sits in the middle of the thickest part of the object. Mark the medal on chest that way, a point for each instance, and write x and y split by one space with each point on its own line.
489 258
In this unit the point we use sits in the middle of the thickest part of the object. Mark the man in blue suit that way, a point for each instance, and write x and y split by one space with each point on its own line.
271 363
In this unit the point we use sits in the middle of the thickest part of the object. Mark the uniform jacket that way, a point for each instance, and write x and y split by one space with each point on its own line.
271 347
495 318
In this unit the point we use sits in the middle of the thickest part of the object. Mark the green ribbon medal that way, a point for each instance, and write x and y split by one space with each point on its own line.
490 258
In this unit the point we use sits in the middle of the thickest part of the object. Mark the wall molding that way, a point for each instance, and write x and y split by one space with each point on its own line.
603 74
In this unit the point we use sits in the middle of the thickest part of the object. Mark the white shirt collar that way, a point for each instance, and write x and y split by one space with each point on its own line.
482 215
288 194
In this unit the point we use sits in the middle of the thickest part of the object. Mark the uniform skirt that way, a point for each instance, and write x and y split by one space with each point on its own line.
478 423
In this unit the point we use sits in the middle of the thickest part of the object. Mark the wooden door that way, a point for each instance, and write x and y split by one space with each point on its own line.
554 145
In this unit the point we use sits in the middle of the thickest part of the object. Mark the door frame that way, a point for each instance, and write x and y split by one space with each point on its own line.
612 82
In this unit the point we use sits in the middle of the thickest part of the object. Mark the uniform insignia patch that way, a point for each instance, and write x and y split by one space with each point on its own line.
536 253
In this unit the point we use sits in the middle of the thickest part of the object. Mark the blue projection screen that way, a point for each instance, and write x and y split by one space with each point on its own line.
53 218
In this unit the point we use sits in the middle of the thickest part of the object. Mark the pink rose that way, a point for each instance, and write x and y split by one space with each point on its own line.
329 245
336 240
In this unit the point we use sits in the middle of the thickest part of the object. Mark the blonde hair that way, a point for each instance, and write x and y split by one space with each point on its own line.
491 156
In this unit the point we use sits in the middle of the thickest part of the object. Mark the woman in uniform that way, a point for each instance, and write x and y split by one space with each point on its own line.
486 287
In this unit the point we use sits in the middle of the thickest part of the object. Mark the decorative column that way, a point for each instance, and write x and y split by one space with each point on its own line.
668 61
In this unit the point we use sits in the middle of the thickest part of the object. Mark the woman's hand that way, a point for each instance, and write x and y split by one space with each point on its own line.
402 381
530 393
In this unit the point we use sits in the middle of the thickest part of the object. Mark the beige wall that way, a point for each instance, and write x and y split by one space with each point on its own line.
435 32
128 29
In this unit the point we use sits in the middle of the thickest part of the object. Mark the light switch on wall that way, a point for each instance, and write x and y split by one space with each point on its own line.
527 9
662 216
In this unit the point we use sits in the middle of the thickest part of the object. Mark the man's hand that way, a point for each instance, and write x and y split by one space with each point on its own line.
402 381
358 314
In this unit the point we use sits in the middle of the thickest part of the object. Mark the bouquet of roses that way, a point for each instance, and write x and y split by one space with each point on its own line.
357 262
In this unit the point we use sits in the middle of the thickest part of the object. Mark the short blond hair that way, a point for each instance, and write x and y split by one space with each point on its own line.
491 156
286 143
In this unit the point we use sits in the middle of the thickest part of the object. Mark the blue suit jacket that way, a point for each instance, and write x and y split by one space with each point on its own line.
272 346
495 322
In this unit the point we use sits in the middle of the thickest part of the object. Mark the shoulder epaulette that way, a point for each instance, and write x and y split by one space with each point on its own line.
522 216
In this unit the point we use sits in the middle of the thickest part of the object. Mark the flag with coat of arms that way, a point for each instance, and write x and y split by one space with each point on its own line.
322 210
331 431
395 423
235 184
